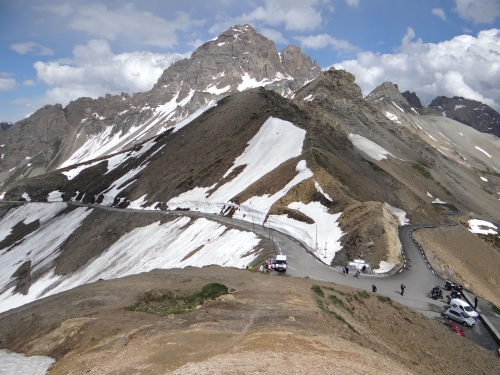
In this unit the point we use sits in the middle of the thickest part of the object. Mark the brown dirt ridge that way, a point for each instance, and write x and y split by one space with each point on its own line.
272 325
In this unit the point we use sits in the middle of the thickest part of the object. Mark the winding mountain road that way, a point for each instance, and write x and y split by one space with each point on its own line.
416 273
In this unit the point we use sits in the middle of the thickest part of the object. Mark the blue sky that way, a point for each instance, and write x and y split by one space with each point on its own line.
55 51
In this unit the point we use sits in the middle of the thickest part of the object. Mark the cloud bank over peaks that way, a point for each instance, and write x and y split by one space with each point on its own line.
463 66
95 71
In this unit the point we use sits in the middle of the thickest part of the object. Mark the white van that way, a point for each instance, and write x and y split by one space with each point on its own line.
280 263
463 306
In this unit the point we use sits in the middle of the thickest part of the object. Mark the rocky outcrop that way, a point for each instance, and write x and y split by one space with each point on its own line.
469 112
389 92
30 144
412 99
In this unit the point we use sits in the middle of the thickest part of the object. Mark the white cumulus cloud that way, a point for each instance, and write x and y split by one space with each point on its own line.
463 66
29 82
478 11
439 13
352 3
273 35
33 47
295 15
127 22
7 84
324 40
95 71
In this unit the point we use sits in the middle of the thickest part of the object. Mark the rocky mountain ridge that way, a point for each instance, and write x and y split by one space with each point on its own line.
469 112
5 125
240 58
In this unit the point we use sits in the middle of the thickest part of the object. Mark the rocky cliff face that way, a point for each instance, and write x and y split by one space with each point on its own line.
389 92
239 59
412 99
469 112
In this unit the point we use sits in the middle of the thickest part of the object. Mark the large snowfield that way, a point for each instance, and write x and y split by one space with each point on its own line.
19 364
179 243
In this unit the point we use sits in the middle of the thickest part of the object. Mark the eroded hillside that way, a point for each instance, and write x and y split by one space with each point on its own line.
271 325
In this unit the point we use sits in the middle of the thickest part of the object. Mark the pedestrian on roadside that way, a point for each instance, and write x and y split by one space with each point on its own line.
347 271
403 286
358 272
343 271
475 302
374 288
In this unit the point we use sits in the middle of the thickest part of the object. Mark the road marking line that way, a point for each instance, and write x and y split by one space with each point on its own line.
292 268
317 278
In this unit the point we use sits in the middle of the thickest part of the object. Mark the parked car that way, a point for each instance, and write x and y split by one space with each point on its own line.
459 316
464 306
455 328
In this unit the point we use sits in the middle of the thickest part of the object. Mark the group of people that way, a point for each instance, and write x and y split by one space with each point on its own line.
345 271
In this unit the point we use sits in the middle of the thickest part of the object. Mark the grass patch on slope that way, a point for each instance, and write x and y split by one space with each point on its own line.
495 309
169 303
317 289
323 305
420 168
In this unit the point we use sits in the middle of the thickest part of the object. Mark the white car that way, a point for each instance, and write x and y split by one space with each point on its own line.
463 306
459 316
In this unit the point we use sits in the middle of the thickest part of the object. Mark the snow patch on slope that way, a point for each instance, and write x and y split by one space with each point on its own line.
484 152
370 148
41 248
19 364
482 227
384 267
399 213
327 226
55 196
72 173
392 117
260 205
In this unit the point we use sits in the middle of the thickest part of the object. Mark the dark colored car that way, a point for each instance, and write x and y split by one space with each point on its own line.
454 327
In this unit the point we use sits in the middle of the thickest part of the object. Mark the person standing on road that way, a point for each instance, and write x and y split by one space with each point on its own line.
343 271
475 302
403 286
374 288
358 272
347 271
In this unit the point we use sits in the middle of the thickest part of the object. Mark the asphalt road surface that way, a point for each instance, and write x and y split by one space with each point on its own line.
416 273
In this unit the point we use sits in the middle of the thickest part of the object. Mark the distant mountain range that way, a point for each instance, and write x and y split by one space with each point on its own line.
239 59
